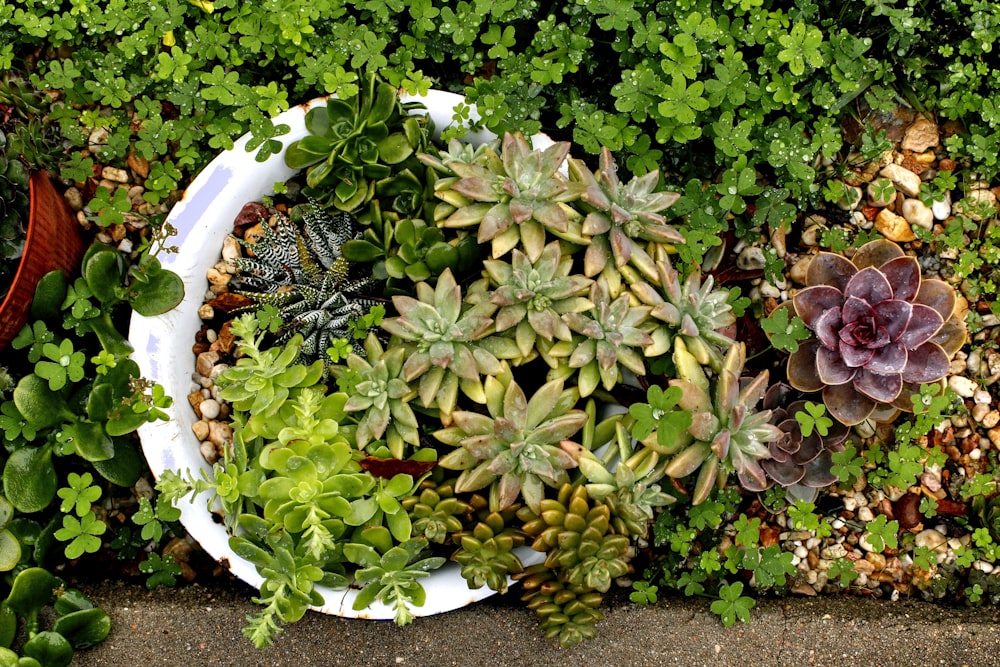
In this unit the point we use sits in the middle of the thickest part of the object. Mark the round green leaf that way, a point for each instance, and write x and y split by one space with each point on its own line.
10 551
29 479
49 648
37 403
161 292
104 271
124 467
49 295
84 628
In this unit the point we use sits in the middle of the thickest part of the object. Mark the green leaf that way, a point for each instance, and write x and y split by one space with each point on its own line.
732 604
29 479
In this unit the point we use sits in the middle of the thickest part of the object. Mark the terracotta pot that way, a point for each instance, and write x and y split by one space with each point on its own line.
53 242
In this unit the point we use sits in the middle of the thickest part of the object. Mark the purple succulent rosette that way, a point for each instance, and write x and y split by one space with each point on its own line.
879 331
799 463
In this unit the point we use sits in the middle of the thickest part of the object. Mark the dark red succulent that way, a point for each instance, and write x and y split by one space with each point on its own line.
799 463
879 331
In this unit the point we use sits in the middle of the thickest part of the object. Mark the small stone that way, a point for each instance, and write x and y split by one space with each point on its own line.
769 290
942 207
205 362
979 411
798 271
230 250
208 452
811 235
994 436
990 419
850 200
125 246
206 312
216 277
209 408
974 201
920 136
894 227
916 213
115 174
833 552
139 165
865 514
200 429
973 361
750 259
219 433
932 539
74 198
98 137
904 179
963 386
135 195
876 559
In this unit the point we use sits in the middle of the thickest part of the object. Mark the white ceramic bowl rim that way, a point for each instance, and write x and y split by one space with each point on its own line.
162 344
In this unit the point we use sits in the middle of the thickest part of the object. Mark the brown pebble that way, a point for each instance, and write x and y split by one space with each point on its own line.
205 362
229 302
139 165
194 399
219 433
226 338
947 164
200 428
907 511
251 214
198 348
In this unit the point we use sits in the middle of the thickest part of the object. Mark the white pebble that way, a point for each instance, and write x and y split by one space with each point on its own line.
209 408
801 552
963 386
865 514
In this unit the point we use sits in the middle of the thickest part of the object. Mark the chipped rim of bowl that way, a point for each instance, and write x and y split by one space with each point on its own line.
203 217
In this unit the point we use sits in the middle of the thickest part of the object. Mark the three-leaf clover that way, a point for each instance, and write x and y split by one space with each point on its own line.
784 332
83 534
882 533
814 417
80 494
659 415
732 604
62 364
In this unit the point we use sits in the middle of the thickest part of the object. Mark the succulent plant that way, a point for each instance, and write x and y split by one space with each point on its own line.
567 612
512 197
690 309
13 203
622 217
576 534
379 391
624 475
486 551
355 142
533 296
726 433
299 269
442 334
391 573
610 337
515 449
436 512
800 463
879 331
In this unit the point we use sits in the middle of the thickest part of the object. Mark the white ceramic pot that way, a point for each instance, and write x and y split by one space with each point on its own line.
163 344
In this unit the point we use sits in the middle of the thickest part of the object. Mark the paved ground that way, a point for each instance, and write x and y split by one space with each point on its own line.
200 625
